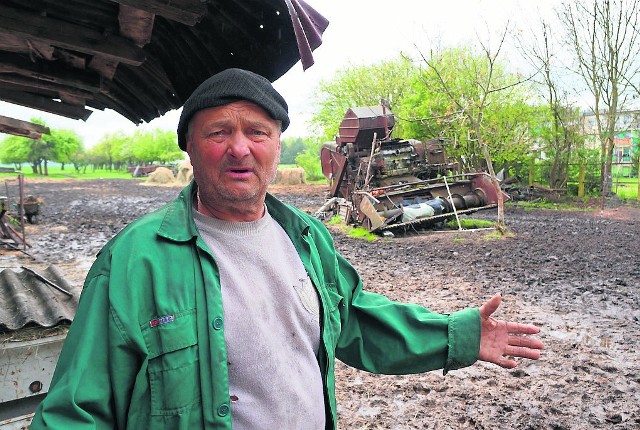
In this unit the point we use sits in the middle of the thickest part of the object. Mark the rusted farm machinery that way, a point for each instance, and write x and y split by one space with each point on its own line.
386 183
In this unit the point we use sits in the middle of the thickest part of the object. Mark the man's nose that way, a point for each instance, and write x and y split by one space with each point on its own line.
239 145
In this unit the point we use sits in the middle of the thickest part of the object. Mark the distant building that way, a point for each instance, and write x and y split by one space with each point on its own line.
626 142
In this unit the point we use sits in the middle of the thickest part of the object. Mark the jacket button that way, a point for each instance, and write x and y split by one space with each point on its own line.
217 323
223 410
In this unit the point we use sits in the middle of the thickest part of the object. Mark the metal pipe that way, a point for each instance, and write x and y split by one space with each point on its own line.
21 187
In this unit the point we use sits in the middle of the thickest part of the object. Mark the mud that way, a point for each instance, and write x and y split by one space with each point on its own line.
576 274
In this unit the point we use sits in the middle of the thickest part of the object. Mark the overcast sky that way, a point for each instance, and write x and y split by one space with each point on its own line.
360 32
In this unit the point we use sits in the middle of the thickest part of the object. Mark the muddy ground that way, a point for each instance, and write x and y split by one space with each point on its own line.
576 274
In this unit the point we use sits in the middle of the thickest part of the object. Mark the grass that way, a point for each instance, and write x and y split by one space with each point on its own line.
470 224
355 232
475 224
496 234
55 172
625 188
362 233
544 204
337 219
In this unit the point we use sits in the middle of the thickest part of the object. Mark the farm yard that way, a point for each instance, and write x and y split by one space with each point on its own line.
573 273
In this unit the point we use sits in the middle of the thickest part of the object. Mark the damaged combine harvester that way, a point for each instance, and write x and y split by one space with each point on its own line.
386 183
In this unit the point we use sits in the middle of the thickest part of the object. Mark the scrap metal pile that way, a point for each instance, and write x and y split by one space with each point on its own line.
386 183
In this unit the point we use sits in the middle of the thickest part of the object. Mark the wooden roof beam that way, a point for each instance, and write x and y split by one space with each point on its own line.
57 73
45 104
136 24
103 66
33 84
188 12
22 128
69 36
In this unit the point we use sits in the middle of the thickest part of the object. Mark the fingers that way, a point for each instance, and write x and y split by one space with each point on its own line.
525 342
502 341
518 351
524 347
490 306
517 328
506 363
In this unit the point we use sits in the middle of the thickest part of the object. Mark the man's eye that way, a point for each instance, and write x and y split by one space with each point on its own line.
216 133
259 133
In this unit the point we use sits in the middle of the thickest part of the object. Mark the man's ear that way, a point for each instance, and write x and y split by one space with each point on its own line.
187 143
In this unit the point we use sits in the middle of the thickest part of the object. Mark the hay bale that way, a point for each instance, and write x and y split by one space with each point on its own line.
161 175
185 173
294 176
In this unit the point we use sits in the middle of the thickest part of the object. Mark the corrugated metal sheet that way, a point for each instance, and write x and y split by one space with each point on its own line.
27 301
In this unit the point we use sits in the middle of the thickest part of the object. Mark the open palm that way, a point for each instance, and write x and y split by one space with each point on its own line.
500 340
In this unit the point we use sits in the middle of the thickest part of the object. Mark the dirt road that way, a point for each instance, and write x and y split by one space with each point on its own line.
576 274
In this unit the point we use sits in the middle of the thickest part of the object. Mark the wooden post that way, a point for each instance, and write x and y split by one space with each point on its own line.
581 174
532 163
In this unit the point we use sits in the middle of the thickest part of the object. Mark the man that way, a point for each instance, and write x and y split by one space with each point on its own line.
227 307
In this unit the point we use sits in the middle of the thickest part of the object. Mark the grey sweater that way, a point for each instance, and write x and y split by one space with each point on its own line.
271 325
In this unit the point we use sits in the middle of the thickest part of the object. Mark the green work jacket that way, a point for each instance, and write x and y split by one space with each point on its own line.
146 349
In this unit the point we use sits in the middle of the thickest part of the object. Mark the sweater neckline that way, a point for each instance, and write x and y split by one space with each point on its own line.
237 228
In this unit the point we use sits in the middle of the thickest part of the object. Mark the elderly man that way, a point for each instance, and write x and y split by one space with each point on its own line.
228 308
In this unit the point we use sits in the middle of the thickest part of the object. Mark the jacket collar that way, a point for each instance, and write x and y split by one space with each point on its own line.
178 224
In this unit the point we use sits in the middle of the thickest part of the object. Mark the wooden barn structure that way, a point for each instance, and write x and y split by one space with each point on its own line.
141 58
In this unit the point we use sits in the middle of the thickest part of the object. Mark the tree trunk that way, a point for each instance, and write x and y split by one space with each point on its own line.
501 224
606 173
581 175
532 164
638 196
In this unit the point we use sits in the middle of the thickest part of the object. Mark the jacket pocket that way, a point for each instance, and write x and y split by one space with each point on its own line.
173 368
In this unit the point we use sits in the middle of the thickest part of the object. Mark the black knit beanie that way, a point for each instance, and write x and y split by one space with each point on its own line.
228 86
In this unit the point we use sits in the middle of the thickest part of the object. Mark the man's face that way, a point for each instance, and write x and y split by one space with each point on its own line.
235 151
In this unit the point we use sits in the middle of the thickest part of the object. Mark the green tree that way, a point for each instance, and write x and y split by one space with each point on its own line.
107 153
66 144
156 146
604 37
58 146
478 89
358 86
309 160
560 134
166 142
470 98
291 147
14 150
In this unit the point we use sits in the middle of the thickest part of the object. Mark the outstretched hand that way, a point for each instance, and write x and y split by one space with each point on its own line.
499 339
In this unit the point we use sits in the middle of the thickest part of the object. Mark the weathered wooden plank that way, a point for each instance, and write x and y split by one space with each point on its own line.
114 100
104 66
45 104
68 36
50 72
35 84
22 128
188 12
136 24
42 50
72 99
